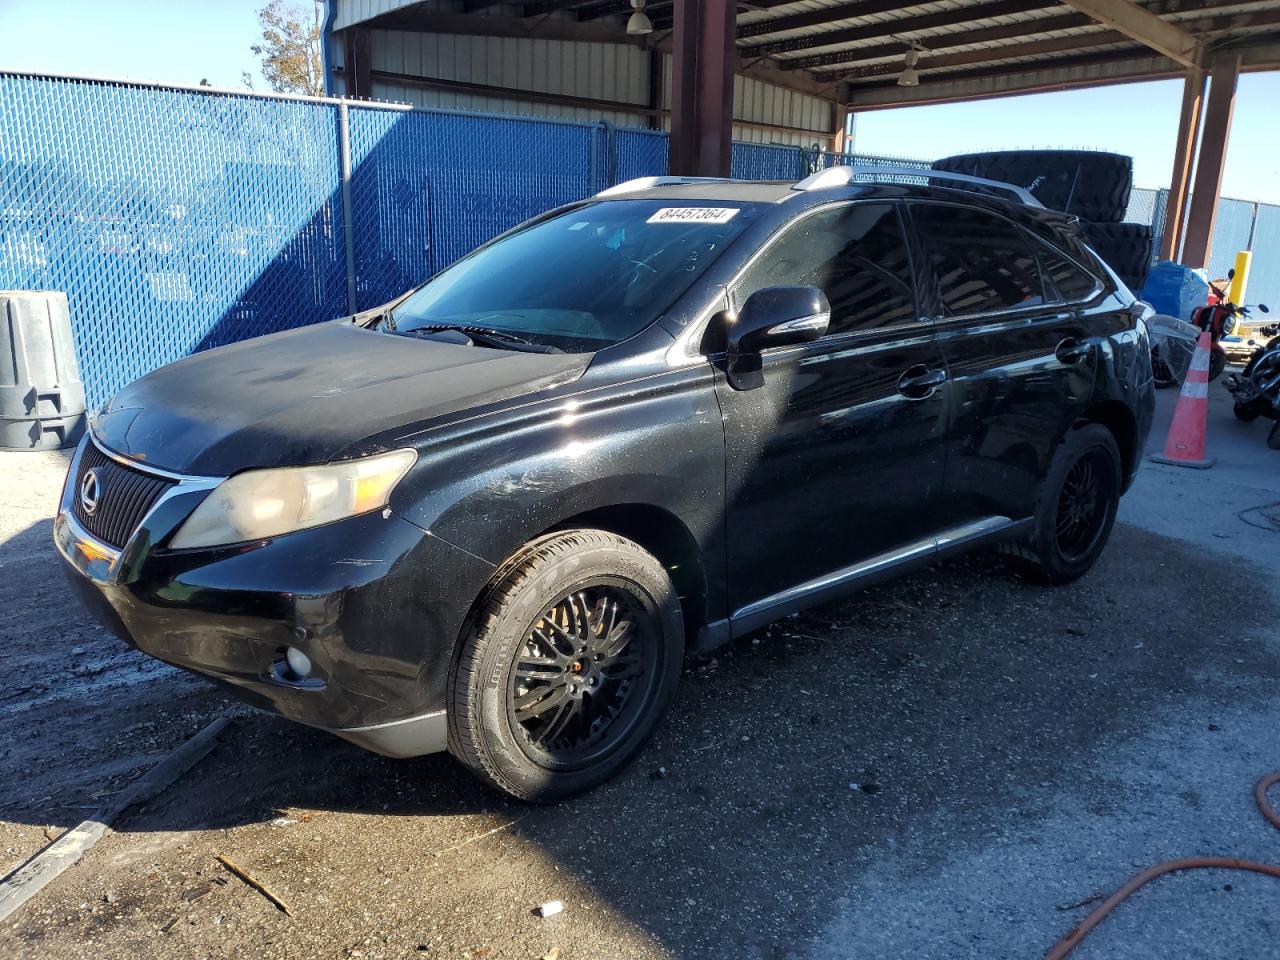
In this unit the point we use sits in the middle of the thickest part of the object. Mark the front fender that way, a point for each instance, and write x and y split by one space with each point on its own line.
656 441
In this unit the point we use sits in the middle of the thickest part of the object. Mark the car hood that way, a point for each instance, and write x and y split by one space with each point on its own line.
309 395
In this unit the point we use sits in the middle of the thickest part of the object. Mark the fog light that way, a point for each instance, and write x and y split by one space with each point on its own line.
298 662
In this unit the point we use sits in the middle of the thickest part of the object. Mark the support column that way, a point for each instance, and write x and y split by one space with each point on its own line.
1212 155
839 121
702 64
1193 86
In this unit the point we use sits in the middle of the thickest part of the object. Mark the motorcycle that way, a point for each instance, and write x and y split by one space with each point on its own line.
1173 341
1256 389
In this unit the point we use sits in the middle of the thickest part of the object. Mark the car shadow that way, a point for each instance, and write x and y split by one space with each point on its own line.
941 702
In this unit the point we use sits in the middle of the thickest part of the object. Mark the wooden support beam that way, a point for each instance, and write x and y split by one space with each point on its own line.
943 41
590 31
702 87
901 25
824 15
1035 48
1211 158
1142 25
1193 87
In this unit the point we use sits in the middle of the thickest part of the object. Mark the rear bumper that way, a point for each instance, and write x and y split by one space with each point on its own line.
375 602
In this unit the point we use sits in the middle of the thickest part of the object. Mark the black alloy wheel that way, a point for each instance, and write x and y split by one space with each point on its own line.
583 675
1076 510
568 663
1084 505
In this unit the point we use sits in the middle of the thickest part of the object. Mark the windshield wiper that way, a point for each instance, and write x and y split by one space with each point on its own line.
485 336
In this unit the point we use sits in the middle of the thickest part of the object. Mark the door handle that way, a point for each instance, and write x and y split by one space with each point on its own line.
1071 350
920 383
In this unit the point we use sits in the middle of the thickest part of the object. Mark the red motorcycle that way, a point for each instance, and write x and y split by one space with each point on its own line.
1219 316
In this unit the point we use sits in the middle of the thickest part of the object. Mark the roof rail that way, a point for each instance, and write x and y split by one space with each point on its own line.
647 183
842 176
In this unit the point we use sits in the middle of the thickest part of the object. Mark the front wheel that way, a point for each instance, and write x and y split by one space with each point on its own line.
1077 508
1217 363
567 667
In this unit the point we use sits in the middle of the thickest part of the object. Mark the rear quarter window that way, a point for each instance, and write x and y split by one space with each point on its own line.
981 262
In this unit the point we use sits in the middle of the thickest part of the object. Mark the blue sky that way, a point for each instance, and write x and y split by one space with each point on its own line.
184 41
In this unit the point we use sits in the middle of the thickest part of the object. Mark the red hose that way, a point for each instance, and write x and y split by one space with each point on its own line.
1072 939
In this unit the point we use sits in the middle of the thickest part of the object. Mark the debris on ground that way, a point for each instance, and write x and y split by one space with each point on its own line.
550 908
552 954
257 884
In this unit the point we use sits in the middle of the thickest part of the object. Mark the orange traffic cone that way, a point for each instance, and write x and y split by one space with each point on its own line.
1184 446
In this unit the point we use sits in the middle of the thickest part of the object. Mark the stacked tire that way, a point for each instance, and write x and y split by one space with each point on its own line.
1093 186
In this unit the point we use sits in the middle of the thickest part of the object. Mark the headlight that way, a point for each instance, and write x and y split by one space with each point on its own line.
266 503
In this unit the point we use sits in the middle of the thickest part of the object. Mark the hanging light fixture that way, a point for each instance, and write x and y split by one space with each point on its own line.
910 76
639 24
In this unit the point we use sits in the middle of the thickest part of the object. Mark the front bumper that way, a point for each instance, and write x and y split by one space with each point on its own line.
375 602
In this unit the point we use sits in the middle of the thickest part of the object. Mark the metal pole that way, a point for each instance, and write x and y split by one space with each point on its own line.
348 228
1198 238
1193 87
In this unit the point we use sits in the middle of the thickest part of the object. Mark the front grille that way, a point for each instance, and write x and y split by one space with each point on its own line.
125 495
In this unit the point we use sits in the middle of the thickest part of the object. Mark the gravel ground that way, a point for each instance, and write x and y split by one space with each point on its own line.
939 767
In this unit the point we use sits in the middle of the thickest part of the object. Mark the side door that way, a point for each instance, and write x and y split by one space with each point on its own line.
837 456
1022 359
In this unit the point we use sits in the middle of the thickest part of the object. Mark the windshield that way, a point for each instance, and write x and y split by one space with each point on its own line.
583 280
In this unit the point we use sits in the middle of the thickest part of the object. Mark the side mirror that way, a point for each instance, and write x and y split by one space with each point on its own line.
778 317
1263 308
1231 274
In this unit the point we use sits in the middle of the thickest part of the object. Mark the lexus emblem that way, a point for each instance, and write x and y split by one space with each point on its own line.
90 491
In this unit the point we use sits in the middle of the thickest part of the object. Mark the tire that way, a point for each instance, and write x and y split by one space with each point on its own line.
1161 374
1217 363
1058 551
1093 186
1125 247
534 631
1246 412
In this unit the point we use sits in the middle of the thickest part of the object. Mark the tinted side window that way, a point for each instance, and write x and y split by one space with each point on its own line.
855 254
982 263
1064 277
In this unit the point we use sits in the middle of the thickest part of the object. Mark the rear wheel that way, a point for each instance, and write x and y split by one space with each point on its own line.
1248 412
568 666
1077 508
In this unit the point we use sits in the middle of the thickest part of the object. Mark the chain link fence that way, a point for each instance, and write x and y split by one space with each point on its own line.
181 219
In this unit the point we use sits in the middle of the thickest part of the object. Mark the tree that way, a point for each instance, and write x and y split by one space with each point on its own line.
290 48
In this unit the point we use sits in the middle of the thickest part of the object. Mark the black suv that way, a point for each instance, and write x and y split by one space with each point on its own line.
492 516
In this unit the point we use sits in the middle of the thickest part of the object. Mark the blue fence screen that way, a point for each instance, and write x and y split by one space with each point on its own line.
177 220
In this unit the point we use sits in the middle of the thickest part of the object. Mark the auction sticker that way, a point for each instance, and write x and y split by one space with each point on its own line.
694 215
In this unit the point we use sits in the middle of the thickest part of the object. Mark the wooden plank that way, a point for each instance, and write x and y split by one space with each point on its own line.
899 25
38 872
1142 25
943 41
1034 48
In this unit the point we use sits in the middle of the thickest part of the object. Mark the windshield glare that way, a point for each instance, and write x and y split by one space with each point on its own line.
583 280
